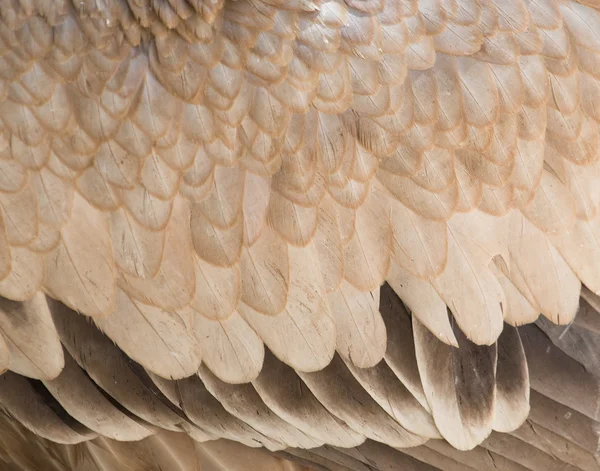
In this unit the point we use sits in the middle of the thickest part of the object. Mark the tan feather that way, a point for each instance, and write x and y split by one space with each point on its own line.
31 338
231 349
20 214
361 335
80 270
419 245
533 258
138 251
26 276
423 301
173 286
367 254
470 291
158 340
303 334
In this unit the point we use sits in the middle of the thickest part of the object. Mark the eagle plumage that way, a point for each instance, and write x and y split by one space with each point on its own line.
323 228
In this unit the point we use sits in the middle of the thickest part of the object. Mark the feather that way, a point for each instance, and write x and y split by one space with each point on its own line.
206 412
303 335
512 382
220 247
137 250
541 274
92 186
254 412
80 269
518 310
580 250
367 255
459 385
423 301
218 290
480 95
82 399
54 198
20 214
470 290
265 273
173 286
148 210
30 407
156 339
13 176
400 354
232 351
103 362
5 356
35 349
395 399
294 223
361 335
224 204
339 392
419 245
257 192
158 178
328 243
280 387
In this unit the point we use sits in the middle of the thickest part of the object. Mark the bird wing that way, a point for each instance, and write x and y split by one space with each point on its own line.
214 187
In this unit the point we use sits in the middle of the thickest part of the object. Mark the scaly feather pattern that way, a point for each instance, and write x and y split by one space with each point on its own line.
351 194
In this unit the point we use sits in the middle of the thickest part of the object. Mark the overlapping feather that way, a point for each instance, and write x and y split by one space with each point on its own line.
204 179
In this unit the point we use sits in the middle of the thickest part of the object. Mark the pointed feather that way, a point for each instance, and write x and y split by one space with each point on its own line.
33 410
400 354
207 413
395 399
243 402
